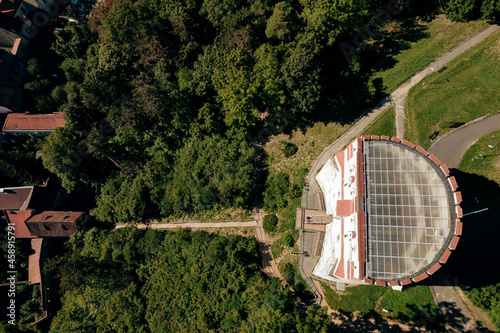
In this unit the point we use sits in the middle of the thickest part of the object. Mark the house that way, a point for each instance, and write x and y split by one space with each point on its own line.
37 224
32 124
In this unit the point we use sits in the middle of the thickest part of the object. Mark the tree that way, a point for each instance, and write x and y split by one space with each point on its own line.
281 23
462 10
209 173
270 222
491 9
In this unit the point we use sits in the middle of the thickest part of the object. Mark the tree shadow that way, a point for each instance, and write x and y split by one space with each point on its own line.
375 322
475 261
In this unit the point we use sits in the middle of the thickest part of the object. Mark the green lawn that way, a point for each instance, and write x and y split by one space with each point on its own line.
359 298
468 88
439 36
409 303
488 165
384 124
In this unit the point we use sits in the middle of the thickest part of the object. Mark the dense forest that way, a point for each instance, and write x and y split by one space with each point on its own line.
150 281
167 101
164 99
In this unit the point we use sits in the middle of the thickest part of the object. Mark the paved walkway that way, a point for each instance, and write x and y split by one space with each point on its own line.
450 149
399 95
462 138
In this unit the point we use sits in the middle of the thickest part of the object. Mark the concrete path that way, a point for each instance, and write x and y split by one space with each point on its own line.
451 147
399 95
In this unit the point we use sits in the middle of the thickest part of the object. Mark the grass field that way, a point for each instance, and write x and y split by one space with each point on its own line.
488 165
436 38
359 298
408 304
384 124
467 89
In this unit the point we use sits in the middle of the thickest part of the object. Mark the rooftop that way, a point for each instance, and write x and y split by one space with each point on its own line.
395 213
33 122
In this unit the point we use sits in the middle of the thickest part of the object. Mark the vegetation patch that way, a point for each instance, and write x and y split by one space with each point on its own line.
161 281
465 90
488 299
487 165
289 149
269 223
359 298
436 38
410 304
385 124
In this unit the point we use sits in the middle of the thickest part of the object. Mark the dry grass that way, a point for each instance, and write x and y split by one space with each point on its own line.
310 144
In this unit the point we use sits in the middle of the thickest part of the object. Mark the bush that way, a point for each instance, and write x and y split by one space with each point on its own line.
288 240
288 148
270 222
288 273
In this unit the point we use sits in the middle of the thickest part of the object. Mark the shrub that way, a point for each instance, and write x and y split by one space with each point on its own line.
288 272
288 148
270 222
288 240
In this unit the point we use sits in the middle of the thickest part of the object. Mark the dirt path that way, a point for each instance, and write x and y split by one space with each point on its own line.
399 95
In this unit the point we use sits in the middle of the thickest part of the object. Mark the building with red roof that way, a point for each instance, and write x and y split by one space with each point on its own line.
395 214
32 124
33 224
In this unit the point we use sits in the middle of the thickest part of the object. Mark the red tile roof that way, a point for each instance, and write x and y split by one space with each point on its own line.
380 283
454 242
408 144
436 160
375 137
34 272
393 283
420 277
445 169
395 139
18 218
33 122
49 216
422 151
53 224
15 197
344 207
434 268
445 256
405 282
458 227
385 137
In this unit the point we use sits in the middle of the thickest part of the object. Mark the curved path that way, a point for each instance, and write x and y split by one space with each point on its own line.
462 138
450 148
464 135
399 95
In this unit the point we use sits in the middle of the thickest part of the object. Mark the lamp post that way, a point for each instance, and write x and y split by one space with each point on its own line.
433 71
477 211
491 148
